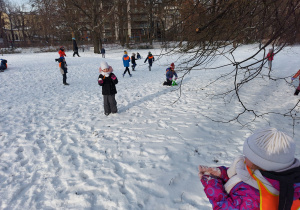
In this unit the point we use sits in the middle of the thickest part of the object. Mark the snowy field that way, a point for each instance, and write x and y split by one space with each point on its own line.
59 151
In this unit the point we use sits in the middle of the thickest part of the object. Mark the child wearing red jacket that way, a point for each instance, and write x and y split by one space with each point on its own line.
270 57
61 52
294 77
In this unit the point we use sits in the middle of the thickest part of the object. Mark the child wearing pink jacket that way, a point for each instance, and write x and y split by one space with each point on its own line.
267 176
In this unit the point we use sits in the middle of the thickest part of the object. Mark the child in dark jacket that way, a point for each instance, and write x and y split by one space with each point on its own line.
170 72
294 77
63 69
108 81
150 59
133 62
3 65
266 177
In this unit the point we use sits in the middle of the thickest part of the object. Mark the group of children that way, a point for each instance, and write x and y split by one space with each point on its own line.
126 61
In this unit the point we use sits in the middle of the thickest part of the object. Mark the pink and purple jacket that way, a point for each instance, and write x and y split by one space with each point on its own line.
242 196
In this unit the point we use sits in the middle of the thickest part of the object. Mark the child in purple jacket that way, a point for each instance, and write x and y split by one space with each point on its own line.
254 181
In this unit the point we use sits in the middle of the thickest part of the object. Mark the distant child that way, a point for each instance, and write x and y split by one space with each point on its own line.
108 82
103 52
126 63
150 59
266 177
3 65
170 72
133 62
298 88
61 52
270 57
63 69
75 48
138 56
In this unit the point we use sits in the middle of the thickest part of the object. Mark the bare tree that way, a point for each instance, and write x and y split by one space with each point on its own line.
218 28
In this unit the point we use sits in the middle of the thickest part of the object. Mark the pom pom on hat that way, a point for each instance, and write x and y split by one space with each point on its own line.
270 149
104 65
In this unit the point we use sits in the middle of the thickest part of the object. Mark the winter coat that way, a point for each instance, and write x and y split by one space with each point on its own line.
241 196
270 56
102 51
150 59
170 73
61 53
75 47
108 84
297 75
63 66
133 60
3 64
126 61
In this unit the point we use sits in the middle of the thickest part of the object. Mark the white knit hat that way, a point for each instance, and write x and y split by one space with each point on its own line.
104 65
270 149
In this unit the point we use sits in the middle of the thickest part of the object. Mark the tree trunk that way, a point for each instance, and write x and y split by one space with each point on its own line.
96 42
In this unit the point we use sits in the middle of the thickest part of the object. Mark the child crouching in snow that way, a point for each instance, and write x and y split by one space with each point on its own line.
298 88
254 181
170 72
108 82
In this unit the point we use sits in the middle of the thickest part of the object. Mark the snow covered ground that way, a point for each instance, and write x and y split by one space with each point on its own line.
59 151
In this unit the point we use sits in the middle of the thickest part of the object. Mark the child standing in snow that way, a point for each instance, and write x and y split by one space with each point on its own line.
270 57
254 181
133 61
138 56
108 81
150 59
63 69
298 88
126 63
61 52
170 72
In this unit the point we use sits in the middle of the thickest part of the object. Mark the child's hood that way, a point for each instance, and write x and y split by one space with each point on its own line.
110 70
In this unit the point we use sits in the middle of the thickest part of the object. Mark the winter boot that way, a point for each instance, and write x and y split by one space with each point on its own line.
66 83
123 75
296 92
149 68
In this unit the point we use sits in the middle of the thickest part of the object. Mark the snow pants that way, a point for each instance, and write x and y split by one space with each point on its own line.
126 69
110 104
168 82
64 78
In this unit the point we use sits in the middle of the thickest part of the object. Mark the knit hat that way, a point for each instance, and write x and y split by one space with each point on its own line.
270 149
104 65
172 65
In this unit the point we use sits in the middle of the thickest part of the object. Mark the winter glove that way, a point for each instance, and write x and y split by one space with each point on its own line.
113 77
292 79
210 171
100 81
